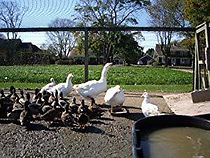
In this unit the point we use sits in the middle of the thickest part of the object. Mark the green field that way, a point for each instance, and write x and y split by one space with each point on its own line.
131 78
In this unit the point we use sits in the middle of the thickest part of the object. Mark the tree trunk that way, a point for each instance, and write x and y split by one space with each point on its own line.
166 60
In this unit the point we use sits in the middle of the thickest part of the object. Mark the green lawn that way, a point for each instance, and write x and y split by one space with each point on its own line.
131 78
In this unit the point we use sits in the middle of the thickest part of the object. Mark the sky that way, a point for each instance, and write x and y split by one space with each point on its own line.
39 13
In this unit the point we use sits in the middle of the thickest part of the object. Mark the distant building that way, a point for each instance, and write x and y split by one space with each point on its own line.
14 51
117 60
29 47
178 56
146 60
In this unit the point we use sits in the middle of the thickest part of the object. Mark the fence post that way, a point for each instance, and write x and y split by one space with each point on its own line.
86 54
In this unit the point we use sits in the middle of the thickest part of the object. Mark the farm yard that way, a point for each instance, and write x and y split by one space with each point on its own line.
108 136
49 49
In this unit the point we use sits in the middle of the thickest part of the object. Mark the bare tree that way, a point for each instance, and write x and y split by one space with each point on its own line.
166 13
62 42
11 16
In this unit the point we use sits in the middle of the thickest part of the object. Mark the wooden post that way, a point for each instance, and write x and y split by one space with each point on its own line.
207 52
86 55
197 73
195 70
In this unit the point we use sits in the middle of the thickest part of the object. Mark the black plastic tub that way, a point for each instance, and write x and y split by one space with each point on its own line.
157 122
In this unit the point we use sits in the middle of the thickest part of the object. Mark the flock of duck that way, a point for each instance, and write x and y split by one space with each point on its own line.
51 103
50 107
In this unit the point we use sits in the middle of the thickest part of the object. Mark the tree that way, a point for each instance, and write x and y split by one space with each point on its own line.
107 13
166 13
61 42
128 49
11 16
150 52
197 12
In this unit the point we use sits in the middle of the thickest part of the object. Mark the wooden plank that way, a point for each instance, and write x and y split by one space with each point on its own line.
200 62
201 27
207 49
197 67
205 79
207 53
195 80
200 96
199 30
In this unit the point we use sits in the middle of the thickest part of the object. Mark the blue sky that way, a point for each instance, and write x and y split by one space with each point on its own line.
39 13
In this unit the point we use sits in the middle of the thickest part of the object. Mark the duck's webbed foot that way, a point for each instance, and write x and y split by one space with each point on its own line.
91 98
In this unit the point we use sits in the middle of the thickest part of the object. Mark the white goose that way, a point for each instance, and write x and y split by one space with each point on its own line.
115 97
93 88
65 88
48 86
148 109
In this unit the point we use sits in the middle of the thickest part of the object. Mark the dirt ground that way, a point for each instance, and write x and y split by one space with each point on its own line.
109 136
182 104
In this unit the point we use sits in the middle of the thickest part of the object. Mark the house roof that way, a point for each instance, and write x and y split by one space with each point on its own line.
6 43
30 46
174 48
146 58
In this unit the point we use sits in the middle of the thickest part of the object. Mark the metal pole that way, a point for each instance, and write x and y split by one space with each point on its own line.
86 55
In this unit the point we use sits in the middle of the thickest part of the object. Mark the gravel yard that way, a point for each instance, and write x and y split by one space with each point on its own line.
109 136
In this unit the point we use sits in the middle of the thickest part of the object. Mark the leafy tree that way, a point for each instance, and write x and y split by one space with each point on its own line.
61 42
166 13
107 13
128 49
196 12
11 16
150 52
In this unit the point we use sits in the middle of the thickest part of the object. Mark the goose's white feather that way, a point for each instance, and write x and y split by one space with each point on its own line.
93 88
149 109
48 86
114 96
65 87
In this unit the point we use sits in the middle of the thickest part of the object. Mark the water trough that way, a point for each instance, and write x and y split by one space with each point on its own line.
145 127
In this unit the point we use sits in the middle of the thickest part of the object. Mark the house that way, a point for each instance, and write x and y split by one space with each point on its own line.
178 56
29 47
146 60
118 61
14 51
